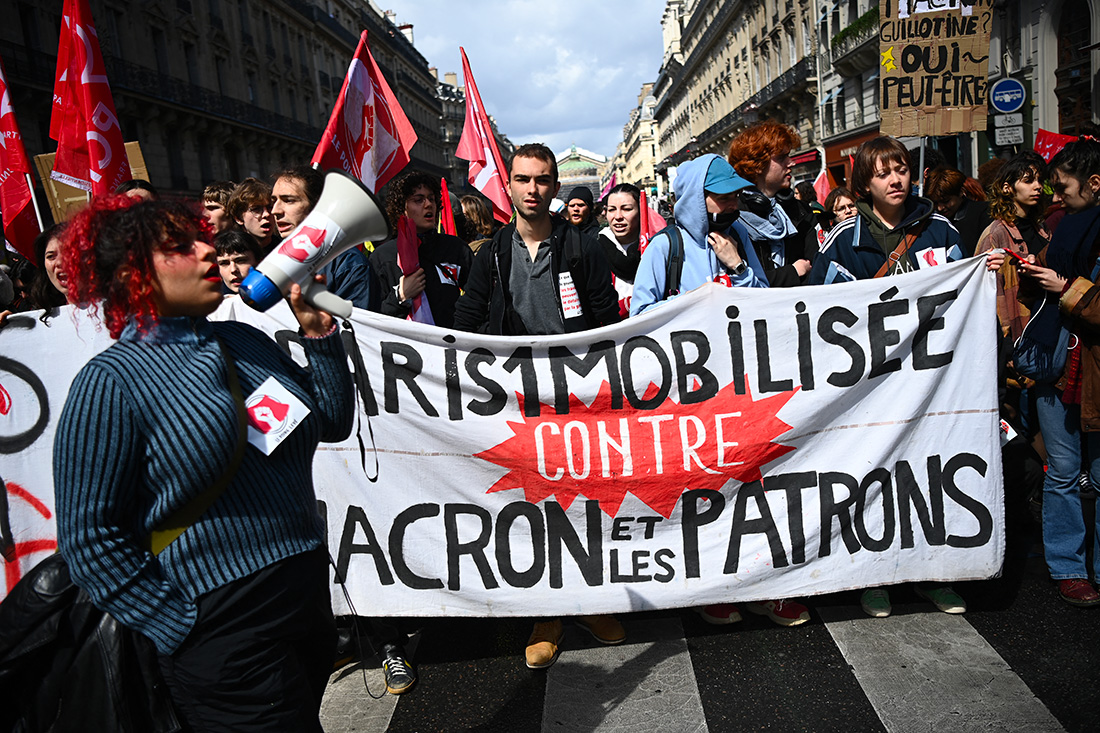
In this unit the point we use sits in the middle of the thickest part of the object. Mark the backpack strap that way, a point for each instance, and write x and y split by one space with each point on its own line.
902 249
675 265
573 249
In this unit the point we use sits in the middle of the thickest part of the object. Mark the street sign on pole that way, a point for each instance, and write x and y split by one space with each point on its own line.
1008 136
1008 120
1007 96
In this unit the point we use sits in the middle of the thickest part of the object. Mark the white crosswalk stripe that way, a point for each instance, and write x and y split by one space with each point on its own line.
932 671
646 684
348 706
919 669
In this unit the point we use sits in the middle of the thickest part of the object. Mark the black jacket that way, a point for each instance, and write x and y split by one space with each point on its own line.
67 666
486 306
972 219
446 261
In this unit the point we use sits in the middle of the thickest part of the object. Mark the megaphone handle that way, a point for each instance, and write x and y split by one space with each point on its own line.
316 295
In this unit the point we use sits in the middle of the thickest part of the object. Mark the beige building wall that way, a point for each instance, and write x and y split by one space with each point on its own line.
727 65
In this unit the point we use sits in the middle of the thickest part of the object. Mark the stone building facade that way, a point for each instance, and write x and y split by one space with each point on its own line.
729 63
221 89
814 64
639 149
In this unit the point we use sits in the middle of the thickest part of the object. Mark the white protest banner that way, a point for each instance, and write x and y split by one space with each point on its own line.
731 445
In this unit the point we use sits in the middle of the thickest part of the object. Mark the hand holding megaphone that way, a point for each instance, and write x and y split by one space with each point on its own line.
346 214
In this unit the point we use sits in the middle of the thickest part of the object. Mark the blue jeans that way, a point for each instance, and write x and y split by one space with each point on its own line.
1063 522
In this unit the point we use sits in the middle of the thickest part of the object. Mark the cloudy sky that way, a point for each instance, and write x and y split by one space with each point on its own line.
553 72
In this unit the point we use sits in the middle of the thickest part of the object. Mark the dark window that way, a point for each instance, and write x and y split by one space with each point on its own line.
191 57
220 72
160 50
28 18
246 25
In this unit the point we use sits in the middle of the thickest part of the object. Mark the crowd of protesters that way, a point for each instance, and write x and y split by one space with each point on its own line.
563 265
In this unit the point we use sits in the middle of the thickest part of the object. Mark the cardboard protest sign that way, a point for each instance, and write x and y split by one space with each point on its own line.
933 64
731 445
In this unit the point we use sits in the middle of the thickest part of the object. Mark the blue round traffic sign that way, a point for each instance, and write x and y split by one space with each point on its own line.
1007 96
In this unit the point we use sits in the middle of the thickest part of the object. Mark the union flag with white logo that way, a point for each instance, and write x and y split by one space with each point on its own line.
368 134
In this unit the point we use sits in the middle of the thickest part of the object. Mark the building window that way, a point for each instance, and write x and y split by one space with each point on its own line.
246 24
251 88
114 41
309 111
220 73
28 18
160 50
191 58
275 102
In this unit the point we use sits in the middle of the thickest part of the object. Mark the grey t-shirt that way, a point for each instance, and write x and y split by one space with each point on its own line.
534 292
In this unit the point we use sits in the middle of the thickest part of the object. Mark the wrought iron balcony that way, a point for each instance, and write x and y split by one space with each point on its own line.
853 49
787 82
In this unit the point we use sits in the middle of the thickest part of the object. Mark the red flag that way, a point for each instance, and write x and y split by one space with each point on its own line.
368 134
90 152
408 259
478 146
20 222
1048 144
650 222
824 184
610 184
447 217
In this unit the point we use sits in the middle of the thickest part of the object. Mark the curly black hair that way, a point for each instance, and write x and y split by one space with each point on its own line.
401 188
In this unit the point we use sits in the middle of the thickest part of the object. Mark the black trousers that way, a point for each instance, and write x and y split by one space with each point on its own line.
260 654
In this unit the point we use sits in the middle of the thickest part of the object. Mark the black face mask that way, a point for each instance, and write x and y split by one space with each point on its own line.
721 222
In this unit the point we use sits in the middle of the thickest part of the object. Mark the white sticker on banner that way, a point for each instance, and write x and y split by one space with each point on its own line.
931 257
570 301
273 413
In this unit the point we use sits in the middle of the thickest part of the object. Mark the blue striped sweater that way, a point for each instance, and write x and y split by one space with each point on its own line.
148 424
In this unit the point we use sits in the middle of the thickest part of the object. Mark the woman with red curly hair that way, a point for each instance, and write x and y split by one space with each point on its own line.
781 226
152 439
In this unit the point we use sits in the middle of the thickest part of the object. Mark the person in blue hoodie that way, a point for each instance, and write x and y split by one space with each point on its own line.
894 232
715 245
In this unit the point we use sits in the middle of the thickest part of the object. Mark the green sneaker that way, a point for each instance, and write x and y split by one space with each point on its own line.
943 598
876 602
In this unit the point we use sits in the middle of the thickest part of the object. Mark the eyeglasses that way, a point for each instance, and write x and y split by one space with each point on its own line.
844 209
258 210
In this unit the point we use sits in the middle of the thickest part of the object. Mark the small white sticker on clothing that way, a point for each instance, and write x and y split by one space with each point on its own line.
273 413
570 301
931 257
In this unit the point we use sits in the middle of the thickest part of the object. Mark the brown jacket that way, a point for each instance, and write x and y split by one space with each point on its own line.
1012 314
1081 306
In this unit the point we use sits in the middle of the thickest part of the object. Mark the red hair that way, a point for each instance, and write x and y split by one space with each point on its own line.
752 150
108 249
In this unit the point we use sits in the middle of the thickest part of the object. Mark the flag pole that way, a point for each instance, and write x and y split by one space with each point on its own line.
34 201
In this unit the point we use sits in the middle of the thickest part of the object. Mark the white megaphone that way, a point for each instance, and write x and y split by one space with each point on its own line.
346 214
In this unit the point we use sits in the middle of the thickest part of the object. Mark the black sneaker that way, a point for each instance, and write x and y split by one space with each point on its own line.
400 676
1085 487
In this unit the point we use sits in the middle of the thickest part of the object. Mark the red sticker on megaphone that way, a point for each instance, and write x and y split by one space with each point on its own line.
304 245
